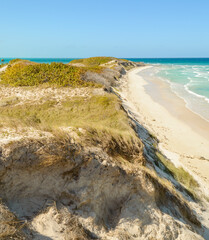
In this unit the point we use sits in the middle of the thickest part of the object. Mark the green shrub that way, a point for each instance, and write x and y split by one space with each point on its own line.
15 60
93 61
2 65
58 74
21 61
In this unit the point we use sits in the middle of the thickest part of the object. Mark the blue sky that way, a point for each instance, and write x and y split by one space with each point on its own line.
120 28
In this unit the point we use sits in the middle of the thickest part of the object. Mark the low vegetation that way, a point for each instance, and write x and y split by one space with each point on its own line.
96 61
93 61
88 72
26 73
97 120
17 60
21 61
8 101
179 173
101 112
2 65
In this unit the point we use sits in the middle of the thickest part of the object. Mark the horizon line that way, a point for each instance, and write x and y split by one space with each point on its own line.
107 56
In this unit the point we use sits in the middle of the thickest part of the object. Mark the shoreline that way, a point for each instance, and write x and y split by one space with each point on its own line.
169 87
160 91
186 103
182 134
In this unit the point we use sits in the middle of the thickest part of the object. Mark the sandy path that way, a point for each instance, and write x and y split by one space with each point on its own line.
3 68
183 135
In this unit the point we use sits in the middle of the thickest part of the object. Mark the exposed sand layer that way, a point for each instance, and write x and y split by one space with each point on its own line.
3 68
183 135
59 190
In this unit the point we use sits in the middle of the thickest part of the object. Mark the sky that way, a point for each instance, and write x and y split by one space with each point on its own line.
119 28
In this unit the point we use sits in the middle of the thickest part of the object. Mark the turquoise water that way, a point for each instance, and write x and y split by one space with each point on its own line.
175 61
194 78
188 78
190 82
180 61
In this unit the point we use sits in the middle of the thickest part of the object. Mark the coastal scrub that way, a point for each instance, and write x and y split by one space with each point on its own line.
58 74
93 61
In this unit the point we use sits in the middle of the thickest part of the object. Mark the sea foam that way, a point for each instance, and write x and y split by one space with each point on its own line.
191 83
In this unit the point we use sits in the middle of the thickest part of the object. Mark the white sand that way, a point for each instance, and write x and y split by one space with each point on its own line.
183 135
3 68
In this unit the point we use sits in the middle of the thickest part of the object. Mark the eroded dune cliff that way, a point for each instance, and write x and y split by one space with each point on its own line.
74 165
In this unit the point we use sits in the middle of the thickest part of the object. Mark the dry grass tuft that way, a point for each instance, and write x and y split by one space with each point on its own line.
10 226
179 174
100 112
129 147
167 197
76 231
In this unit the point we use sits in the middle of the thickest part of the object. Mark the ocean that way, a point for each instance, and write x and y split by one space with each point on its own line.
188 78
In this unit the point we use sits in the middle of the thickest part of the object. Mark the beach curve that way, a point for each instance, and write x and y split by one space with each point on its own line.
182 134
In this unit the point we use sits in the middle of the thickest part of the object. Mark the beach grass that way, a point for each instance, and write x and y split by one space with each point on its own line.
98 120
102 112
178 173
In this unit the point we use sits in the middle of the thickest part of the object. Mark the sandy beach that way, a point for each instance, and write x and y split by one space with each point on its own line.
183 135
